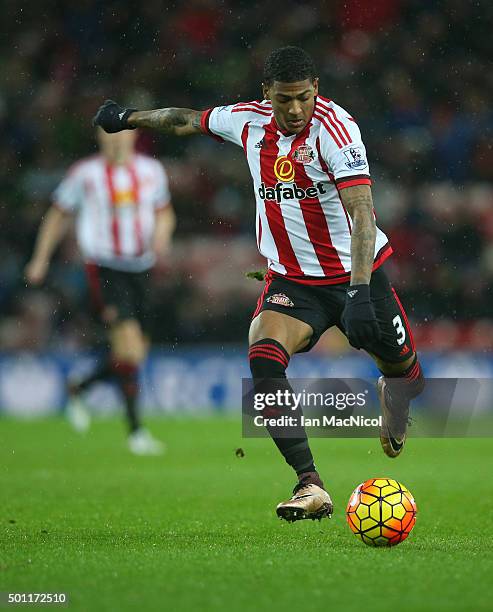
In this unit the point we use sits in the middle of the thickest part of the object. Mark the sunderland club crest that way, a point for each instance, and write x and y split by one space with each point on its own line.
281 299
304 154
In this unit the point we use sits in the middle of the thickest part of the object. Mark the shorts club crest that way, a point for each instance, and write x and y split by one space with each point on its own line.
281 299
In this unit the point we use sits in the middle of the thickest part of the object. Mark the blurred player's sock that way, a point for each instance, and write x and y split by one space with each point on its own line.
268 363
126 375
77 414
141 442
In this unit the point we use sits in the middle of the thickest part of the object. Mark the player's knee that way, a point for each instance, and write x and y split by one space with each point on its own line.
293 335
128 342
266 326
268 359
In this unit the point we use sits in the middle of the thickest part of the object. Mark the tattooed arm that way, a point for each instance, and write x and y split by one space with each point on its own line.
177 121
358 202
112 118
358 317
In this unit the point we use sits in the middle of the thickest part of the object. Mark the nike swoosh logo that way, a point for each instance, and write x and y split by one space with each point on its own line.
303 496
395 445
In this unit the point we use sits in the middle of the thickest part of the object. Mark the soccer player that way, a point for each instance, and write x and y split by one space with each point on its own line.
124 220
316 226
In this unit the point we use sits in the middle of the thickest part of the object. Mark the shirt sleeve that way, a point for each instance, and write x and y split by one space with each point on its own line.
69 194
224 123
162 196
343 150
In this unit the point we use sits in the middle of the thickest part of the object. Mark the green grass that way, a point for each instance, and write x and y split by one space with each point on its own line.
196 529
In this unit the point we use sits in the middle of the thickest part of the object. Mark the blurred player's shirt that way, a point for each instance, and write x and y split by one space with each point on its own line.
115 207
303 229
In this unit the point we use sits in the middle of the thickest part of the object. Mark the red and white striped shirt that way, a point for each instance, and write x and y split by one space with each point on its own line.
116 207
303 229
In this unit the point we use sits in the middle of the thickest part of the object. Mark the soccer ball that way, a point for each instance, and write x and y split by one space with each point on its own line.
381 512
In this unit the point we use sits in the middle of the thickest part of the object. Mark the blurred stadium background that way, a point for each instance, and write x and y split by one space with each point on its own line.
422 95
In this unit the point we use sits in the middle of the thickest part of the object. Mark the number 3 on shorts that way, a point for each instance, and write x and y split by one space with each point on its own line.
399 328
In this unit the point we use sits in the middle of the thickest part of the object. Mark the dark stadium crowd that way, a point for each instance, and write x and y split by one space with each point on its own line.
415 74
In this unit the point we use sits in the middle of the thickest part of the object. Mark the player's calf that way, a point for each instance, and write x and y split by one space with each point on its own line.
128 350
268 363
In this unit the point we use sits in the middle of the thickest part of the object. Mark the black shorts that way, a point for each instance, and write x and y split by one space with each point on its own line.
321 307
126 293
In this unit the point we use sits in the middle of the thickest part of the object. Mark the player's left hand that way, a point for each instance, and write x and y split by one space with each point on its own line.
359 319
36 271
112 117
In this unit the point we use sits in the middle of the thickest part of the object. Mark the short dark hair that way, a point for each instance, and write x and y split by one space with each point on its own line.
288 65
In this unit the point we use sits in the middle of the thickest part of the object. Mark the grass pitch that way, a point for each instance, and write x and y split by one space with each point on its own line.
196 529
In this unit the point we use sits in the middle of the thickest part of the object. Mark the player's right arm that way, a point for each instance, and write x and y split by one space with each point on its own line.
53 228
223 123
177 121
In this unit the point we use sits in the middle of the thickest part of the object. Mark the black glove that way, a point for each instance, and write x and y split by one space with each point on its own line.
112 117
358 317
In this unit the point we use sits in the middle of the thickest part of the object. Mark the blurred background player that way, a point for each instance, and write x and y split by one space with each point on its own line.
124 221
316 227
